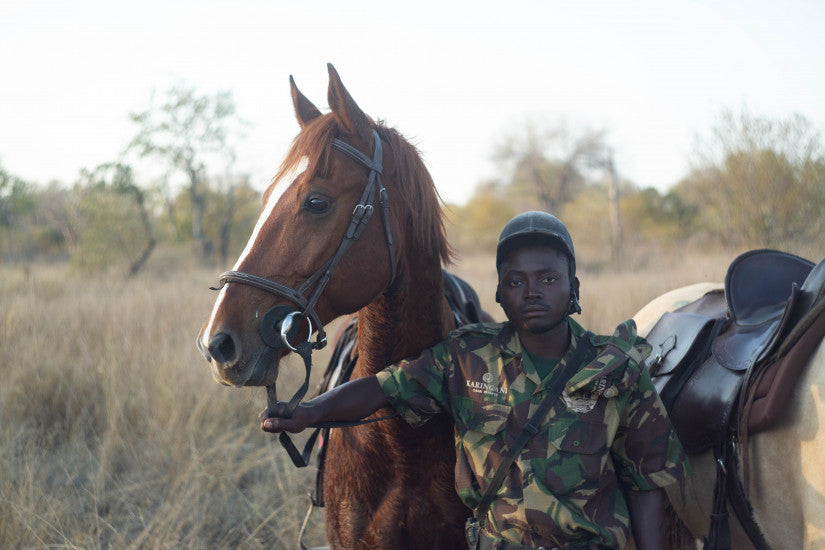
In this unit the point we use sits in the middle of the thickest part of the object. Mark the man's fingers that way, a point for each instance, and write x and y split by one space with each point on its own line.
278 418
272 425
278 425
278 410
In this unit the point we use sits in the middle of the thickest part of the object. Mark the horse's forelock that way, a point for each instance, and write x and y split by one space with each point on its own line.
312 145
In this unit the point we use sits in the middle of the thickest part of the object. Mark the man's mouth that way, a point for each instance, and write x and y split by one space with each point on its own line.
534 311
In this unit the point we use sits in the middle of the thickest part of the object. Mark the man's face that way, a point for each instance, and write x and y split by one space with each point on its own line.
535 287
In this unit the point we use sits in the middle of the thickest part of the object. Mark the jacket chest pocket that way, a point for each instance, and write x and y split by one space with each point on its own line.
489 418
483 434
575 455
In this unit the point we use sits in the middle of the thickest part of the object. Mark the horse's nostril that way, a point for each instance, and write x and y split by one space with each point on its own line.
222 348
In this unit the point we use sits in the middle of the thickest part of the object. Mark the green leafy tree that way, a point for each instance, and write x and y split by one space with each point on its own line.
113 219
549 166
16 198
759 182
476 225
653 217
237 210
187 130
34 221
16 205
550 163
38 221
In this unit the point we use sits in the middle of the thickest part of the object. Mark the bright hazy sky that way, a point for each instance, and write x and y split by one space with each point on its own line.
454 77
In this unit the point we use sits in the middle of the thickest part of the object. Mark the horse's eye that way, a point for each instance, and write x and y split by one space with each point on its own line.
316 204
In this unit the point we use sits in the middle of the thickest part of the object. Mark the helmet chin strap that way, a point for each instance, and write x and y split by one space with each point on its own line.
574 304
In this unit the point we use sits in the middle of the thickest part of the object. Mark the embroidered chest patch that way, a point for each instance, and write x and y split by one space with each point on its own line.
486 385
584 401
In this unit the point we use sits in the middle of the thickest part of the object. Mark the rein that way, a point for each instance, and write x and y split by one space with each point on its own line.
279 325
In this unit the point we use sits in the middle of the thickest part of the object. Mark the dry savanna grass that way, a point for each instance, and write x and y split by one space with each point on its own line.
113 433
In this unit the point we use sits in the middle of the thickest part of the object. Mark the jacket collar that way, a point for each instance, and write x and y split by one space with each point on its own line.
508 343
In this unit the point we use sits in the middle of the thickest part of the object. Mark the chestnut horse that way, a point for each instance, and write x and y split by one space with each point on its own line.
787 482
314 251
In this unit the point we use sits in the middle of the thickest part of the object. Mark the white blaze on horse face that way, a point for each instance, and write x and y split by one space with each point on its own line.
277 192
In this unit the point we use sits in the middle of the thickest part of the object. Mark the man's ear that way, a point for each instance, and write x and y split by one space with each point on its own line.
498 293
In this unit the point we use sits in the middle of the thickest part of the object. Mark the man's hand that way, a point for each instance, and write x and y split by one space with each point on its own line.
355 400
276 419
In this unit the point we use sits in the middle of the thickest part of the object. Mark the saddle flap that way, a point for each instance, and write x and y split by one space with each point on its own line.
675 337
759 283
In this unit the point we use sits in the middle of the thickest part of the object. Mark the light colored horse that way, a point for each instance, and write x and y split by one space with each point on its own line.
787 480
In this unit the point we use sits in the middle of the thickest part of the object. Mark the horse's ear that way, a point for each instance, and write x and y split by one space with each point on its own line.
349 115
305 111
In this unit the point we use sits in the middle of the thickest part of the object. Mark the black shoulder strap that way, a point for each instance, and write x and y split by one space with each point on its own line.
531 428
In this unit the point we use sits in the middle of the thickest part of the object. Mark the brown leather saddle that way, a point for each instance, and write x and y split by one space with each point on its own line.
730 359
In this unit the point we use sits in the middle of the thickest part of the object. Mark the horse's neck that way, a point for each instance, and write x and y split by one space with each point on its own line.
402 325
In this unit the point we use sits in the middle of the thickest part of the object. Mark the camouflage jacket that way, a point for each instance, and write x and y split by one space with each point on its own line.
608 428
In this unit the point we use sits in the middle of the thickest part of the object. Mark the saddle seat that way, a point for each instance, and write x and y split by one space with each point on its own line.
738 350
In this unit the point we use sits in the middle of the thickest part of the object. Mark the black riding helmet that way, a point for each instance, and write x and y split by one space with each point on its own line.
535 227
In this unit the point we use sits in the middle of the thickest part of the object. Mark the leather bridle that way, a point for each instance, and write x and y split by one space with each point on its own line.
360 216
279 324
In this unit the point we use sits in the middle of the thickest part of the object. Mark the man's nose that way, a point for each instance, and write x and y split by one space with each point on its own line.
532 289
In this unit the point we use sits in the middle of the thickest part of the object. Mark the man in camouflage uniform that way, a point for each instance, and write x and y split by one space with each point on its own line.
604 451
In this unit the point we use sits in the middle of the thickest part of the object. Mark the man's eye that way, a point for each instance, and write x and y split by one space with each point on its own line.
549 280
512 283
317 205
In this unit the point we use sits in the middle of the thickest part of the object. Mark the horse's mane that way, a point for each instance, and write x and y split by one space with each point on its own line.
421 218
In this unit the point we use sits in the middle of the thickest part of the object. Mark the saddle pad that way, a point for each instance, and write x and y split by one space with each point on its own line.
769 396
